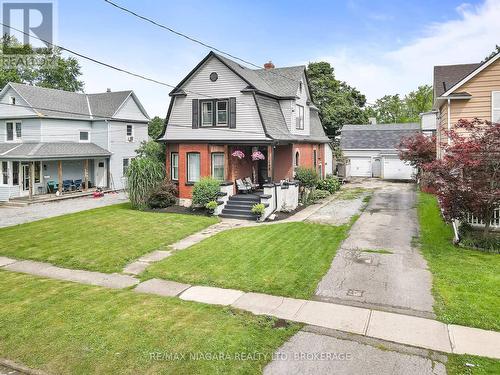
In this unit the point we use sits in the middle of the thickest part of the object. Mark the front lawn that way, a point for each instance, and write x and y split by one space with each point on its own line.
466 283
66 328
472 365
281 259
103 239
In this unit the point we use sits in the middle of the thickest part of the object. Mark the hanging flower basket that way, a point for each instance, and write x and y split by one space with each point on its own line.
257 155
238 154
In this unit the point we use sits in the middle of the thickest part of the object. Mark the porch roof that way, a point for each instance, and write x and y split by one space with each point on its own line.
51 150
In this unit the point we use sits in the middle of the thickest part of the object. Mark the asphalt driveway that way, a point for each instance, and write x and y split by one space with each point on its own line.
377 265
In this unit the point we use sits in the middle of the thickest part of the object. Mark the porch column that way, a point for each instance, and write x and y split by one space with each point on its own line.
31 179
270 162
227 159
86 174
59 176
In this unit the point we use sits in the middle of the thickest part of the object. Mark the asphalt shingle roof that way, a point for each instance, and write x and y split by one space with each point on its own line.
57 150
376 137
445 76
66 104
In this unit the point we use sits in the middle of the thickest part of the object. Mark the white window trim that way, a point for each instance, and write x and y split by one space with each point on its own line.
202 124
12 100
493 109
217 112
299 117
132 135
84 131
212 164
172 166
15 138
8 172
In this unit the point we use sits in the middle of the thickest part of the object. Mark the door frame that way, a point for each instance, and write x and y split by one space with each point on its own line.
105 173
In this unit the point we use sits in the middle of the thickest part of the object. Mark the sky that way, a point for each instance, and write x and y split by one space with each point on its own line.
379 47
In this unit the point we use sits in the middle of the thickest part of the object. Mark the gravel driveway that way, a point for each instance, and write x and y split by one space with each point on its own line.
19 215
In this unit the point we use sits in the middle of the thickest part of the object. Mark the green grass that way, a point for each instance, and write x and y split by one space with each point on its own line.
281 259
355 193
466 283
66 328
103 239
457 365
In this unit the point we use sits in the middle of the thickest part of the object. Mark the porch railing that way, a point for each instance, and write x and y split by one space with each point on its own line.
495 222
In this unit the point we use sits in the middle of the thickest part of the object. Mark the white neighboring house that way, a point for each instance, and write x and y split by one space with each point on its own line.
372 150
429 122
46 132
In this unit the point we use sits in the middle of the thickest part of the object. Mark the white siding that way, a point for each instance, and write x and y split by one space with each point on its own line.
429 121
301 100
56 130
328 160
30 129
14 111
248 124
121 149
99 134
130 111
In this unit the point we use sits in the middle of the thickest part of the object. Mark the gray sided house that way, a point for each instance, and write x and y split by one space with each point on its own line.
372 150
48 136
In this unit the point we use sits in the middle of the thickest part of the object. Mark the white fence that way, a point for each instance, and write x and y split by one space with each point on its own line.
495 223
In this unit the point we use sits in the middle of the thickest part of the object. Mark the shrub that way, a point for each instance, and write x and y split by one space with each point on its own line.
164 195
330 184
308 177
206 190
143 177
258 209
211 206
470 237
317 194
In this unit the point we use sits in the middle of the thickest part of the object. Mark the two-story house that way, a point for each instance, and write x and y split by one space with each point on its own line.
221 107
50 136
465 91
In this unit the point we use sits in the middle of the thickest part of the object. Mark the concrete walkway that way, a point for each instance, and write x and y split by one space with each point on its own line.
404 329
377 266
20 215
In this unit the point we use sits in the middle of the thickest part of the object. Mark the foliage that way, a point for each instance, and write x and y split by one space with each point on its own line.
308 177
330 184
143 177
394 109
497 50
465 282
339 103
152 150
103 239
417 150
469 238
205 190
211 206
257 155
266 259
258 209
164 195
467 178
318 194
155 127
238 154
59 73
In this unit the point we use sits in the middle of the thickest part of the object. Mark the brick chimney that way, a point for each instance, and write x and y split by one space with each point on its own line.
269 65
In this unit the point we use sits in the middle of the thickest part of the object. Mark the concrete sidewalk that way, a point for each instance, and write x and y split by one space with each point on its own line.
403 329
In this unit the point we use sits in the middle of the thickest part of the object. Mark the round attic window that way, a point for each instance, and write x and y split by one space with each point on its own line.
213 76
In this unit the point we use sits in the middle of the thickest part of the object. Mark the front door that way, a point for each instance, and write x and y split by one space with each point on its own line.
25 187
100 173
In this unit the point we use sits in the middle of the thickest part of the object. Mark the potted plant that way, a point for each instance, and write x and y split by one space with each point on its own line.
211 206
258 210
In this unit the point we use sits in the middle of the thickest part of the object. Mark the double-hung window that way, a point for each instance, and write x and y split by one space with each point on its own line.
299 120
14 131
218 166
5 173
193 167
207 111
38 171
495 106
214 112
174 166
125 165
130 133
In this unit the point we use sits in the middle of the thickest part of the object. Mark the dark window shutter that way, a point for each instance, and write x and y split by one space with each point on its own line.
196 117
232 112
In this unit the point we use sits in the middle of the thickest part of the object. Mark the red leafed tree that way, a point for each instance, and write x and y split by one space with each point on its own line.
467 178
418 150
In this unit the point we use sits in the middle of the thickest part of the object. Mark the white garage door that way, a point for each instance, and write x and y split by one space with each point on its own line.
395 169
361 167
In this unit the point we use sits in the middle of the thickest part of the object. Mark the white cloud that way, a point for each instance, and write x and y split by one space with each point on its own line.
468 38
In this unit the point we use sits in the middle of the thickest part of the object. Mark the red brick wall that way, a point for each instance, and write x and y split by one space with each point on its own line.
283 162
306 155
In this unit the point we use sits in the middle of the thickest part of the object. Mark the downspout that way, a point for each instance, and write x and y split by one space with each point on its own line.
449 120
272 177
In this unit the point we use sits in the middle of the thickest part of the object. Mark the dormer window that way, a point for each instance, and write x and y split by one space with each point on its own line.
300 87
214 112
299 119
13 100
206 114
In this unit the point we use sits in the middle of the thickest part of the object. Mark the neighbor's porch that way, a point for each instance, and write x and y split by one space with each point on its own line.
46 180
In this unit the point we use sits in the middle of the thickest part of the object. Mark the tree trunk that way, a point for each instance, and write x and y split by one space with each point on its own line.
487 222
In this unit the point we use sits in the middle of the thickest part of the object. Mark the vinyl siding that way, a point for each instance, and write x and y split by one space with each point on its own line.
131 111
58 130
301 100
30 129
14 111
248 124
99 134
120 148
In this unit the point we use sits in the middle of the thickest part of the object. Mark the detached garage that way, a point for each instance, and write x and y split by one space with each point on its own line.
371 150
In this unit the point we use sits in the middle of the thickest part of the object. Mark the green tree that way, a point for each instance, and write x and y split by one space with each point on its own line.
155 127
47 68
152 150
419 101
339 103
497 50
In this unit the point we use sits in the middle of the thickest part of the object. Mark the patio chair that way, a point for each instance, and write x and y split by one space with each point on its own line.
68 185
51 187
78 184
242 187
249 182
